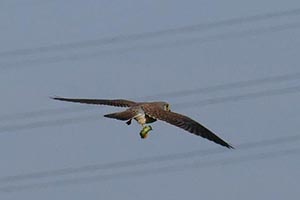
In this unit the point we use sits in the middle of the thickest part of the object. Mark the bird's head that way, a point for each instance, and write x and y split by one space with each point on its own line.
165 106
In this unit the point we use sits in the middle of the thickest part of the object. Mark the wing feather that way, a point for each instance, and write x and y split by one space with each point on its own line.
185 123
109 102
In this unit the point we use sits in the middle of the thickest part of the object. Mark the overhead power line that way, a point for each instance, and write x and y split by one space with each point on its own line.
152 171
93 168
43 112
166 95
169 44
49 123
205 102
152 34
241 97
227 86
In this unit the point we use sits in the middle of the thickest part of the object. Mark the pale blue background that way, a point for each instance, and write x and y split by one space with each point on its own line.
25 87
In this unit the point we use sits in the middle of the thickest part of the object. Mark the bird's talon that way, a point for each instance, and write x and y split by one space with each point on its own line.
128 122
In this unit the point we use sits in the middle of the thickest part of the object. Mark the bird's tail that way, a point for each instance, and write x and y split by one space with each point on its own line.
125 115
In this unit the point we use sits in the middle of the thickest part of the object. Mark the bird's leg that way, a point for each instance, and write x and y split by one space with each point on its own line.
128 122
144 132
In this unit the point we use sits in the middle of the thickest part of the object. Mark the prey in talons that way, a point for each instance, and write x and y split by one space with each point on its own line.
144 132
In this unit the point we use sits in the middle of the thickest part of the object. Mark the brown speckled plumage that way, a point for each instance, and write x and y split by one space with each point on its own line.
148 112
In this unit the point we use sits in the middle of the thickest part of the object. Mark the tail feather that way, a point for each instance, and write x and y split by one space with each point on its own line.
125 115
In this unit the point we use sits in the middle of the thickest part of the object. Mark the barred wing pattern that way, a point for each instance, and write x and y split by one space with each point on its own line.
112 102
183 122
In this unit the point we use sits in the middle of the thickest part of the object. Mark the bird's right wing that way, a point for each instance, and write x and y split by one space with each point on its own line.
109 102
185 123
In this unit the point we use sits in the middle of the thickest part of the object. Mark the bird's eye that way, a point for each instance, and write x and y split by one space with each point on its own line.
167 107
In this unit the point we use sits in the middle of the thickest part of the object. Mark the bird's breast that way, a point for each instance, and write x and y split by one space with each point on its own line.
141 119
144 119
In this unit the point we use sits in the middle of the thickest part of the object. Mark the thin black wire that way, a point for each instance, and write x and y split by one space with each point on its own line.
147 160
171 44
43 112
173 94
227 86
202 103
153 171
234 98
49 123
151 34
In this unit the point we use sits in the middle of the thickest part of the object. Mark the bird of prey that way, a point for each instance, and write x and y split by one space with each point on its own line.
149 112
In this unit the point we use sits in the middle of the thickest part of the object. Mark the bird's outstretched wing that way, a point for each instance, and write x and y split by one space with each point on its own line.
185 123
109 102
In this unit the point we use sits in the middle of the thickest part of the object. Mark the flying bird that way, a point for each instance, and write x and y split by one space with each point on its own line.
149 112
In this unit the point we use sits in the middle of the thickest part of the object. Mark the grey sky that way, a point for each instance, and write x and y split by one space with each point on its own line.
141 68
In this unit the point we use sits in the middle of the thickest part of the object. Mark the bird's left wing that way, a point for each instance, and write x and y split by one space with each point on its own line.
185 123
108 102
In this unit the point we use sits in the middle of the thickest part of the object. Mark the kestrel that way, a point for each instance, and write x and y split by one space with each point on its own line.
149 112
